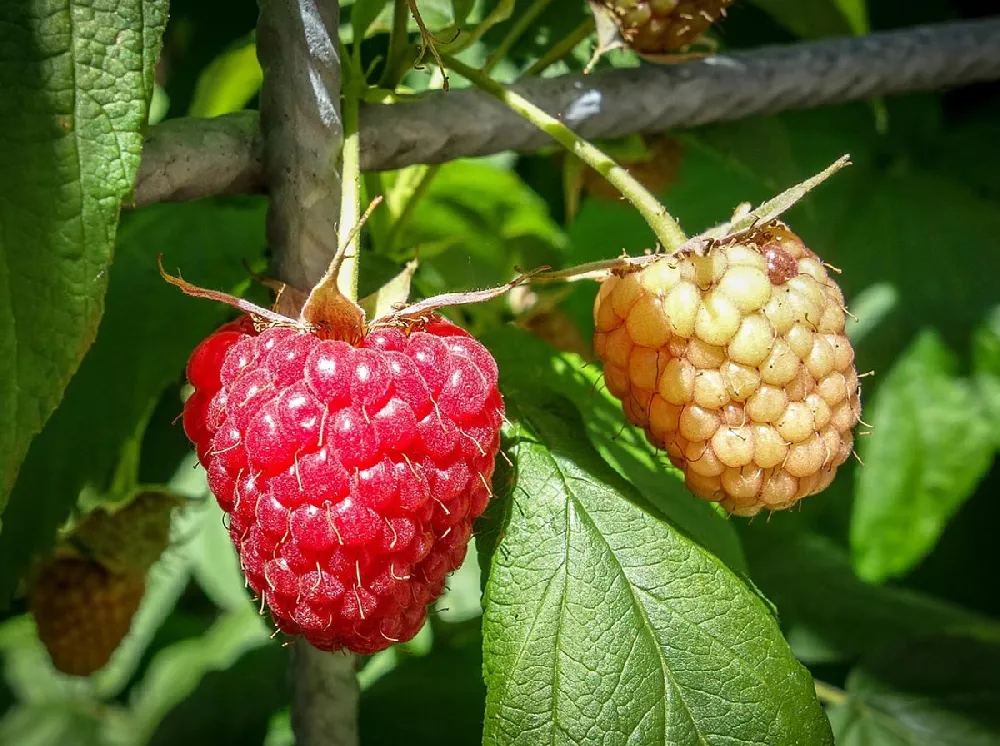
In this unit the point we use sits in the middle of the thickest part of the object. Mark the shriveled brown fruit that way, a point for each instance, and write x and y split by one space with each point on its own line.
83 611
661 26
655 172
737 365
129 537
557 328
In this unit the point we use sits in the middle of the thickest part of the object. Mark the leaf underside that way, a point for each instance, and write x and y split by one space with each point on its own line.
76 78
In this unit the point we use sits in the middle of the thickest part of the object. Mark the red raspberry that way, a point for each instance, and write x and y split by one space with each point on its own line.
351 475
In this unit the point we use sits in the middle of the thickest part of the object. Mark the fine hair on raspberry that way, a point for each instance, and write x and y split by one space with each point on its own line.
351 474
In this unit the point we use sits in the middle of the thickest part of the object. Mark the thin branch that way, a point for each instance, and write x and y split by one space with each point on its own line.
186 159
667 231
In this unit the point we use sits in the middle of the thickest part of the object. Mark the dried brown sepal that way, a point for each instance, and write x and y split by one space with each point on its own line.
129 536
609 35
742 227
332 315
745 222
288 300
263 315
429 305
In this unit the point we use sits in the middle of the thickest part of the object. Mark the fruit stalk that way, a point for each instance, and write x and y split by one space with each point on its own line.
399 46
522 24
350 195
667 230
561 48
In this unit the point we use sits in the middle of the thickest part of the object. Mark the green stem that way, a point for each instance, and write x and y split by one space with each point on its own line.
566 45
522 24
399 46
830 694
350 194
500 13
667 231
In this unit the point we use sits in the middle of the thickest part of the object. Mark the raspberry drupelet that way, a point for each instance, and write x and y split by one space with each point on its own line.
351 474
737 365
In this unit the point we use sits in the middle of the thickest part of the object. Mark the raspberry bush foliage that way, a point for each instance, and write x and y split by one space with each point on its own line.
741 494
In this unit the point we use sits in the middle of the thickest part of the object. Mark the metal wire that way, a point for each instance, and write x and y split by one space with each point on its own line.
652 98
301 136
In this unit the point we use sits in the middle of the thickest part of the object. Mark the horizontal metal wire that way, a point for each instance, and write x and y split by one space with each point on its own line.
186 159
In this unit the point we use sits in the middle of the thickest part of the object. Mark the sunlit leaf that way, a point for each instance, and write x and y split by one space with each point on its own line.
76 79
935 692
930 445
601 618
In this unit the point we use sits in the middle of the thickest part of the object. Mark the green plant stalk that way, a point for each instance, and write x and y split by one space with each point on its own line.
563 47
399 45
522 24
667 230
406 213
500 13
830 694
350 194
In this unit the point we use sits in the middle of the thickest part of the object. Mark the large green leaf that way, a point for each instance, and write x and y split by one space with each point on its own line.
76 77
986 366
476 222
233 705
177 671
148 332
934 692
229 82
526 363
930 445
603 621
437 15
828 613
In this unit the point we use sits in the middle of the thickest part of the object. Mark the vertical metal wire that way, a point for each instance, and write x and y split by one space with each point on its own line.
302 133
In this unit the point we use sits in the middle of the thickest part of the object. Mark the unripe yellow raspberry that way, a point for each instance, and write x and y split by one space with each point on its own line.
660 26
83 611
736 364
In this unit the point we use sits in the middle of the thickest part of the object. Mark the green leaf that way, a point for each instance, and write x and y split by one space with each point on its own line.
217 710
819 18
395 291
419 692
525 363
603 619
214 563
363 15
934 692
76 80
147 333
176 671
438 15
69 721
986 367
898 227
229 82
474 210
929 447
827 612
